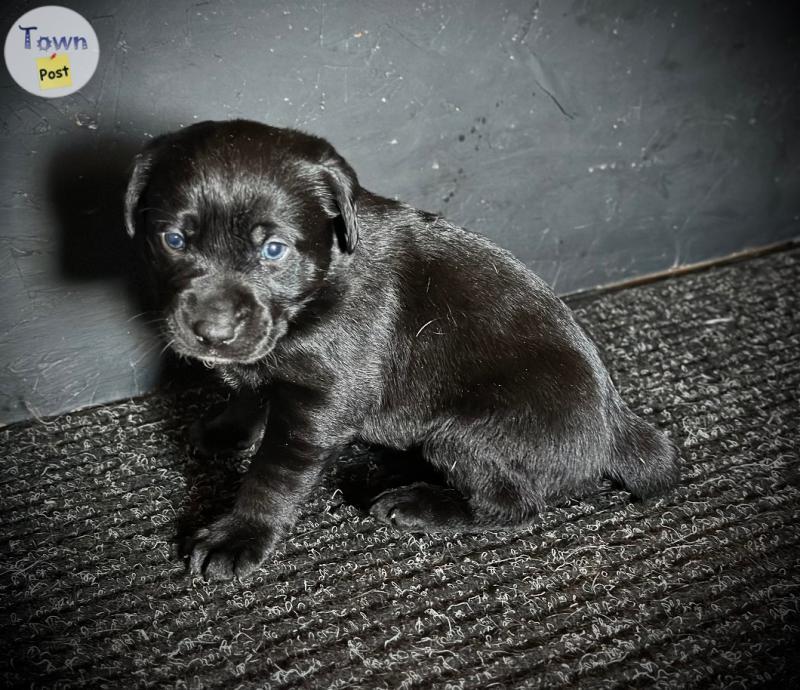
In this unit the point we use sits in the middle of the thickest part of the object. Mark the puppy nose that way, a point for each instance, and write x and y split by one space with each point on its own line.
215 332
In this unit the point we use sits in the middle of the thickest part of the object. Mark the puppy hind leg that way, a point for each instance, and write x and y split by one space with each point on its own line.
424 507
470 487
424 503
484 498
365 472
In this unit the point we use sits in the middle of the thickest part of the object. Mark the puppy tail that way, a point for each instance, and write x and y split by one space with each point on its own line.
644 460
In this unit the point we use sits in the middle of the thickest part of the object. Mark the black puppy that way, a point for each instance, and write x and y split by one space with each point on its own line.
341 316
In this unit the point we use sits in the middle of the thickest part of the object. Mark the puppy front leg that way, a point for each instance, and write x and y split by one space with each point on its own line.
283 472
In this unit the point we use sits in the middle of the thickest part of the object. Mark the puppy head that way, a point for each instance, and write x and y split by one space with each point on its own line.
244 224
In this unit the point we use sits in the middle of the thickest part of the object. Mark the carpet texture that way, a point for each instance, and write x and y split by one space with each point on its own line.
696 589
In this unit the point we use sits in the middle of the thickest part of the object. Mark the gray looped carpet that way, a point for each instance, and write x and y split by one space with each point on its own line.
698 589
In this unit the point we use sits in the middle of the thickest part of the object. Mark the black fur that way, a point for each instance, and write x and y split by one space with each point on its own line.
382 324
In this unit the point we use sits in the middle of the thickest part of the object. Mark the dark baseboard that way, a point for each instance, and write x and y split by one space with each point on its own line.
736 257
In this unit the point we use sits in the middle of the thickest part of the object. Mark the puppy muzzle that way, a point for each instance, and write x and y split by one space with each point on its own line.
220 323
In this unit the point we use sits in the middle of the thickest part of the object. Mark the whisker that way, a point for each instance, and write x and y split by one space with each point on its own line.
144 354
139 315
151 322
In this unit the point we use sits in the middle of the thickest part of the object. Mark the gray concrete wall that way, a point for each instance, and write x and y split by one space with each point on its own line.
597 140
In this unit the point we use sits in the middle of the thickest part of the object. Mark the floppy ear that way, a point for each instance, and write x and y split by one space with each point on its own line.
140 177
343 184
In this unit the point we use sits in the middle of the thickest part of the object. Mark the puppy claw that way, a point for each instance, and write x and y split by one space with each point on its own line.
403 516
230 547
398 507
421 507
197 559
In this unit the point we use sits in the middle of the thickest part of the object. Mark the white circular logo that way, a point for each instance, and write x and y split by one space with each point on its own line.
51 51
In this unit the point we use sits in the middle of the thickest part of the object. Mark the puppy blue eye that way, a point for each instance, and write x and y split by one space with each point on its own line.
174 240
273 250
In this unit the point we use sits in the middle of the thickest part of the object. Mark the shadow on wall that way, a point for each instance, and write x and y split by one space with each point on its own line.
86 187
86 190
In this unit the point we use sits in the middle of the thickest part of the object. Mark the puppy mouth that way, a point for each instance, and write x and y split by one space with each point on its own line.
242 350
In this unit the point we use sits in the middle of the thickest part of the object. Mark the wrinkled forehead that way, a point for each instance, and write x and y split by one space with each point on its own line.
232 188
229 192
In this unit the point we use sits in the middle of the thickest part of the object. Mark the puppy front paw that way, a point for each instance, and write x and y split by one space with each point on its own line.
230 547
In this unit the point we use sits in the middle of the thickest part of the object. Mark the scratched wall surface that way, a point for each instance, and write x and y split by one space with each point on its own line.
598 140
